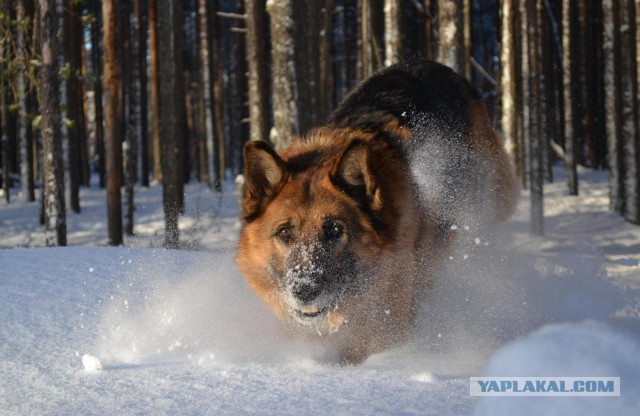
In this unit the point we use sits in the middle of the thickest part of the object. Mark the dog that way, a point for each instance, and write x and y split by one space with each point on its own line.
342 231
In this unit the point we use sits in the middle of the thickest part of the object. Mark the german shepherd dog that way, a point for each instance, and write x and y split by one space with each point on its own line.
346 228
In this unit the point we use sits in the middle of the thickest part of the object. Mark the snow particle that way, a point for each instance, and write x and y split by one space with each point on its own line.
466 256
91 269
466 228
477 241
91 363
454 227
424 377
387 312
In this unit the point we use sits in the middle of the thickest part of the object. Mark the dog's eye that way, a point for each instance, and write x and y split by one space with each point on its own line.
284 234
333 231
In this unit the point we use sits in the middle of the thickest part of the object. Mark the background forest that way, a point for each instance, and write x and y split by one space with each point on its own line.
134 91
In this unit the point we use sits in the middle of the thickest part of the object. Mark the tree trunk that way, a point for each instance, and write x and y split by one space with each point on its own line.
326 82
238 99
53 176
169 119
567 88
206 91
285 110
629 111
508 78
4 110
611 48
24 10
140 10
365 63
96 59
450 23
466 39
215 39
257 59
75 102
535 133
112 120
392 31
154 84
132 114
525 70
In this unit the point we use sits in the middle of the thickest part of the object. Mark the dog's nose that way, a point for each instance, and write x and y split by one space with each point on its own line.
306 292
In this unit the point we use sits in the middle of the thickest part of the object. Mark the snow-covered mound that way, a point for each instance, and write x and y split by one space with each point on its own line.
588 349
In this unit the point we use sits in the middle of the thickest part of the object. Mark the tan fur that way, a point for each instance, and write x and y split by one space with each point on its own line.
401 256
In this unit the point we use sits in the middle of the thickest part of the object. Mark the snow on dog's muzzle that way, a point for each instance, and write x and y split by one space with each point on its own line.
307 287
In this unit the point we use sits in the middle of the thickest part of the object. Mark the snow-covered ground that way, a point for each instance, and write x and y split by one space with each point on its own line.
90 329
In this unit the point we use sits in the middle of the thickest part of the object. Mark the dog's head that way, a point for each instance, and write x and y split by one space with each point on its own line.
315 220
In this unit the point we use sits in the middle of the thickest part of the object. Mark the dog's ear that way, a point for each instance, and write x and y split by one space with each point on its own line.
354 174
265 173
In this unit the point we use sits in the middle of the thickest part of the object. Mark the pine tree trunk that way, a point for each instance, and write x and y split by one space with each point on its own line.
629 111
4 110
154 95
75 101
612 101
96 59
535 134
285 110
450 23
238 99
525 70
508 78
206 90
392 31
365 63
327 83
169 119
257 55
112 120
567 88
140 10
133 123
215 39
24 11
466 39
51 124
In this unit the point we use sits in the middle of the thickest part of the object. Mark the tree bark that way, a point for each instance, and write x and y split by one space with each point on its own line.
140 10
168 119
535 134
508 78
629 111
215 39
567 88
612 101
285 110
53 176
112 120
24 11
75 100
206 91
4 109
96 59
450 23
392 31
257 57
154 95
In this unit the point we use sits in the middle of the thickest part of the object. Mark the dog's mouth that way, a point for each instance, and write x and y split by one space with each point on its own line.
309 314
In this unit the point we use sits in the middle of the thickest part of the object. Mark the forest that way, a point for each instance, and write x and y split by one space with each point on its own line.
132 92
